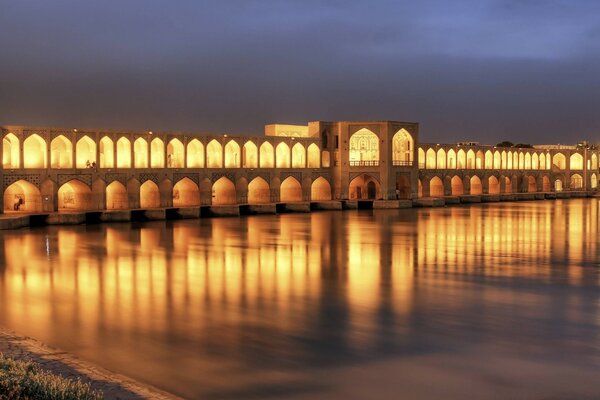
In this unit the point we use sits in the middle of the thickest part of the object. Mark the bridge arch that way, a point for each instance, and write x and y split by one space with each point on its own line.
116 196
546 183
509 160
576 161
559 161
402 145
290 190
441 159
22 196
175 154
535 163
364 187
149 195
507 184
223 192
421 158
489 160
157 153
298 156
320 189
313 156
123 153
85 152
497 160
195 154
527 161
74 195
436 187
186 193
11 153
471 164
493 185
456 184
461 159
430 159
364 147
107 153
259 191
593 181
531 184
232 154
576 182
282 155
594 162
451 162
214 155
140 153
267 155
475 185
250 155
61 152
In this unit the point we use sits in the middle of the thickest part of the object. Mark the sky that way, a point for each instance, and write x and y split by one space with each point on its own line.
482 70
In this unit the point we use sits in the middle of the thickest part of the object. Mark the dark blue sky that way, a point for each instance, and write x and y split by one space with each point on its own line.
526 71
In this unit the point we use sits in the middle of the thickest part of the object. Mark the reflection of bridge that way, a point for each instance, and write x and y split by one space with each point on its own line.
48 170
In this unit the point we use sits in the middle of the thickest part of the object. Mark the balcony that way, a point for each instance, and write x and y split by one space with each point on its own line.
399 163
364 163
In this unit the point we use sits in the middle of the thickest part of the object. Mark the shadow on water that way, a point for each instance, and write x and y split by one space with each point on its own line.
480 301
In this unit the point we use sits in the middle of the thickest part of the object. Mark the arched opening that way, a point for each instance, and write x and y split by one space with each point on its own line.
74 195
436 187
515 160
470 159
521 161
364 148
576 161
527 161
223 192
282 152
232 154
576 182
22 196
123 153
259 191
503 160
493 185
419 188
509 160
250 155
403 187
558 185
195 154
85 152
107 153
546 184
290 190
267 155
430 159
140 153
559 161
61 153
489 160
320 190
594 181
476 185
507 185
214 154
402 145
531 184
157 153
314 155
461 159
479 160
298 156
364 187
497 164
186 193
325 162
451 164
535 162
594 162
421 158
542 161
457 186
149 195
441 159
116 196
175 154
10 151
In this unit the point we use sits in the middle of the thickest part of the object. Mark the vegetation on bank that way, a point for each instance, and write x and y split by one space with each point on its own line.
21 380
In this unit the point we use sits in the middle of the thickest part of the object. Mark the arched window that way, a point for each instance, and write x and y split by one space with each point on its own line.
232 154
250 155
282 155
195 154
313 156
489 160
214 154
175 154
430 159
527 161
576 161
576 181
470 159
157 153
441 159
535 162
559 161
140 153
497 162
123 153
61 153
267 155
364 148
10 151
451 164
461 159
107 153
402 148
298 156
85 152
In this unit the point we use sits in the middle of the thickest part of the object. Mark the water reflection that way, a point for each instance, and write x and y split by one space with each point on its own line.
312 305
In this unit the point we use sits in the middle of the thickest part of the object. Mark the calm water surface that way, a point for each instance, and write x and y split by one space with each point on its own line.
490 302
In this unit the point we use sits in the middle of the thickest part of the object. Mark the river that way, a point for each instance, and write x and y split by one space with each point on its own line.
490 301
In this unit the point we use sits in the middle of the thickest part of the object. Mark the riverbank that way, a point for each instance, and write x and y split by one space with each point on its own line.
113 386
18 220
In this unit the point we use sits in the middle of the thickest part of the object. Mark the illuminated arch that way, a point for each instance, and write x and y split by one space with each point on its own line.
558 185
488 160
175 154
509 160
441 159
493 185
576 182
594 181
476 185
314 155
22 196
61 152
116 196
325 161
186 193
85 152
320 190
259 191
282 155
421 158
107 153
233 154
140 153
451 159
10 151
430 159
461 158
507 185
267 155
74 195
364 148
594 163
364 187
542 161
149 195
479 159
559 161
531 184
250 155
503 161
545 183
471 159
515 160
157 153
290 190
535 161
214 154
521 161
298 156
576 161
457 186
195 154
436 187
402 145
497 160
123 153
223 192
527 161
